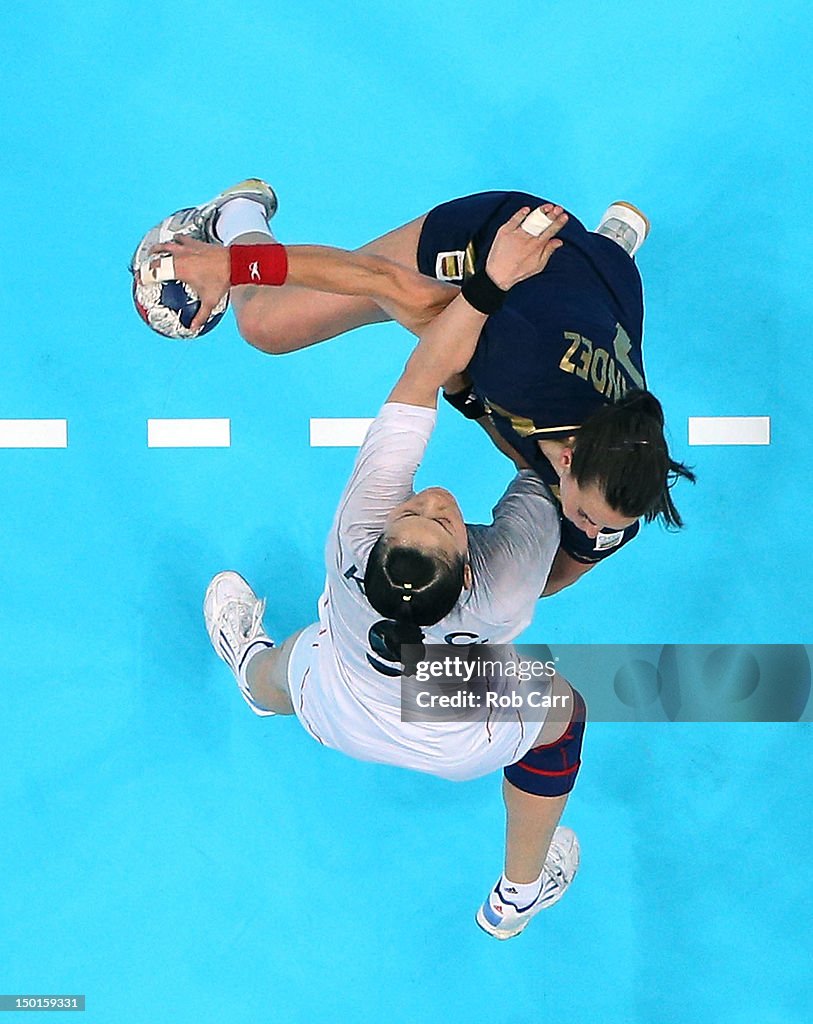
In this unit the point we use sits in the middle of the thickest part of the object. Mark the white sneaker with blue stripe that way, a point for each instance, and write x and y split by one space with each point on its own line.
198 222
234 621
258 191
503 919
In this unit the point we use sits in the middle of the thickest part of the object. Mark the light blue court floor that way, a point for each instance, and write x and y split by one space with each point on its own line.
176 859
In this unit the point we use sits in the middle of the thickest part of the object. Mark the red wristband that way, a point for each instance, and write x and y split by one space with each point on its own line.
258 264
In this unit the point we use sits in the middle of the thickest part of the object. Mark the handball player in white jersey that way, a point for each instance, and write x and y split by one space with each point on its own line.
404 567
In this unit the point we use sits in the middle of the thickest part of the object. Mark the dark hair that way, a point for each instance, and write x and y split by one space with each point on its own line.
622 450
410 586
411 589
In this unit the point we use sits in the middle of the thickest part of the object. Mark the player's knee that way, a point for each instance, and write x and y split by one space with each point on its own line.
257 330
551 770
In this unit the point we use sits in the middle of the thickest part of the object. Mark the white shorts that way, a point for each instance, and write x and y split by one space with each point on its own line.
335 716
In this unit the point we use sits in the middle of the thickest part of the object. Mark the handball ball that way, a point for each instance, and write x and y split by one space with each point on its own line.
169 307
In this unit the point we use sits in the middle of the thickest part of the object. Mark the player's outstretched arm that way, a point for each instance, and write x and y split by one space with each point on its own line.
447 344
405 295
408 297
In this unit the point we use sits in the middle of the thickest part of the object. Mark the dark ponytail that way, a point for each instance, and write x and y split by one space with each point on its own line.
622 450
410 589
410 586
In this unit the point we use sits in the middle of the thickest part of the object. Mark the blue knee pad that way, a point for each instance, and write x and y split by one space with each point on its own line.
551 770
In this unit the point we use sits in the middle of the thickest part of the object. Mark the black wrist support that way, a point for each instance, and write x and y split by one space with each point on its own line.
481 293
467 402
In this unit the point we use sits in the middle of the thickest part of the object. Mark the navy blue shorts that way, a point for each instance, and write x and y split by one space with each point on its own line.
467 223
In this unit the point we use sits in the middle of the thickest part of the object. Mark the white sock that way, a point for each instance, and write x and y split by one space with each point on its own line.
238 217
519 894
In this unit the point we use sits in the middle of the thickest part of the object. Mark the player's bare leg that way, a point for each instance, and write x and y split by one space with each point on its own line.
289 318
541 858
267 677
531 820
380 281
530 823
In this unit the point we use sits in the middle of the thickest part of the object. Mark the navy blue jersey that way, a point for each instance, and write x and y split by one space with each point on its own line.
566 342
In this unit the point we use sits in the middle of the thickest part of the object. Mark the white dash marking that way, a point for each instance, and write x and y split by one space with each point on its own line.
210 433
33 433
339 432
729 430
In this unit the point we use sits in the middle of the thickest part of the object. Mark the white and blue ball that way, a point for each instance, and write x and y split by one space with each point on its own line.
169 307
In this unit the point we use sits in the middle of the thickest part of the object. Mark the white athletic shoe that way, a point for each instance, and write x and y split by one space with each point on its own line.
257 191
626 225
503 919
198 222
234 621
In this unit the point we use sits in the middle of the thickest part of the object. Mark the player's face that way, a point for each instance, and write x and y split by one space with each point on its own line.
431 520
586 507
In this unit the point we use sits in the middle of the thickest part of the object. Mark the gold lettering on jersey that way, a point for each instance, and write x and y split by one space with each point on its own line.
611 387
567 363
609 376
620 382
585 356
598 369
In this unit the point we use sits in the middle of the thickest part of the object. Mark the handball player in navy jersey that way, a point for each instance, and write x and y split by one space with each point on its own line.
557 379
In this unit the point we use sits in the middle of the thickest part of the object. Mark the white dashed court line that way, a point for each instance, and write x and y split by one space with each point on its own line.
729 430
188 433
336 432
33 433
339 432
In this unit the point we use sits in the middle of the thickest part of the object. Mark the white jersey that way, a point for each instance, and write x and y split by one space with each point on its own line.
510 562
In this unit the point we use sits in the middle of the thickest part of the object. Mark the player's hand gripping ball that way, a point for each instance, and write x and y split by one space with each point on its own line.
169 306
